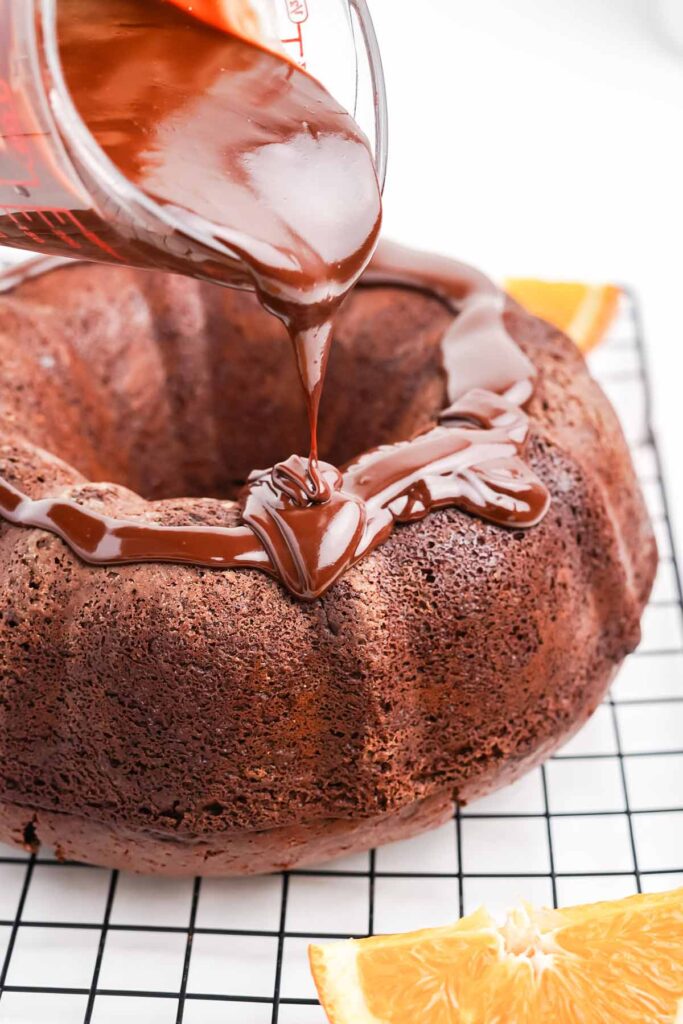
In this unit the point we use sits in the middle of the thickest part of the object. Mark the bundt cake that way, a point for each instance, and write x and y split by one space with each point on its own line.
183 720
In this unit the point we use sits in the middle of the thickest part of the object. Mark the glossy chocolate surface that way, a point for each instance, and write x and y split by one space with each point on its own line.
472 458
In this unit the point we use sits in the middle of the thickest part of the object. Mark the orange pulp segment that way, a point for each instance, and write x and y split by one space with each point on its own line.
618 962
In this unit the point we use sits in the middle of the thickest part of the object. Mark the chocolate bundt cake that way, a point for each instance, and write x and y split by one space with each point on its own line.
182 720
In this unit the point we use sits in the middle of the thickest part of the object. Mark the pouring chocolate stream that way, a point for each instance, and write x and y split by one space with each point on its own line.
241 148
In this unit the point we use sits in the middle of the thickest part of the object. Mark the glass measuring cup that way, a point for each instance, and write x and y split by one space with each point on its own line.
61 195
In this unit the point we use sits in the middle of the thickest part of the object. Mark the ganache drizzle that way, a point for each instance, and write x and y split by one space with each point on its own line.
471 458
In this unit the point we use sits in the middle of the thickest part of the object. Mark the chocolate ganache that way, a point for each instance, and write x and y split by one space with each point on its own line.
471 458
288 193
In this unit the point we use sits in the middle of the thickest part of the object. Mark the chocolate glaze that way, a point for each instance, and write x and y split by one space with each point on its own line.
289 198
478 351
472 458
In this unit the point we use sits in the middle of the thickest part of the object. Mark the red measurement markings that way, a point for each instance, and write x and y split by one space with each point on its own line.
91 237
297 40
56 230
297 11
62 217
24 229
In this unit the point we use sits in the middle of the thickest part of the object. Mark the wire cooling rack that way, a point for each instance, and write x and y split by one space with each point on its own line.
602 819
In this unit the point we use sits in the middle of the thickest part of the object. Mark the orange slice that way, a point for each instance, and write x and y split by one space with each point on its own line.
605 963
583 311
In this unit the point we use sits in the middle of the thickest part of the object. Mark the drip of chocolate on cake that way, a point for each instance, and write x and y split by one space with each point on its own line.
472 458
286 190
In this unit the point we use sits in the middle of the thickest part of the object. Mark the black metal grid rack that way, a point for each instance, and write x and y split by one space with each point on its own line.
603 818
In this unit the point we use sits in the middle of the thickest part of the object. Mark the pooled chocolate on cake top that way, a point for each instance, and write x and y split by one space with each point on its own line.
472 458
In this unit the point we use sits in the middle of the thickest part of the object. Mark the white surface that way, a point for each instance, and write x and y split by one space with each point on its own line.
546 138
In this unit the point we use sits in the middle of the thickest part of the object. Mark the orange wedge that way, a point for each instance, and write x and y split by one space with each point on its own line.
583 311
605 963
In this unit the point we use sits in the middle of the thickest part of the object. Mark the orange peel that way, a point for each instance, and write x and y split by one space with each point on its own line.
583 311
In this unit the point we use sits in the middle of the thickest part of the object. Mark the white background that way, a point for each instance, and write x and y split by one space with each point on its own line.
545 137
